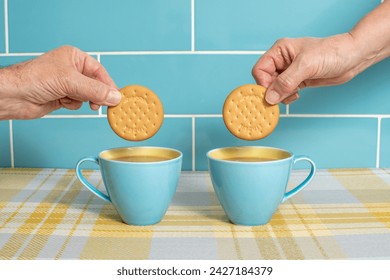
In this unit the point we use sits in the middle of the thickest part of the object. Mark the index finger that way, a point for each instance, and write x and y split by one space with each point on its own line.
265 71
92 68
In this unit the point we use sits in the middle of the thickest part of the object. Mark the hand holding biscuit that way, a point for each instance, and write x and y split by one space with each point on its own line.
62 78
293 64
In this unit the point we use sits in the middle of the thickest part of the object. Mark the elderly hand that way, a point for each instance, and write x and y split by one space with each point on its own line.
293 64
64 77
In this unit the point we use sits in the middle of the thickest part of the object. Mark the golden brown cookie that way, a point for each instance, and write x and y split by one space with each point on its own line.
138 116
247 115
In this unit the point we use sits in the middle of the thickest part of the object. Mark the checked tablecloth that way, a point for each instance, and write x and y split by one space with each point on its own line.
48 214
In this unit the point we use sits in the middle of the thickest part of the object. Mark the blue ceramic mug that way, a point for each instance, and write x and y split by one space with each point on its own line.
140 181
251 182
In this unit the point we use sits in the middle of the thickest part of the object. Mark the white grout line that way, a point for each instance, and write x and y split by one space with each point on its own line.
359 116
193 116
6 34
193 144
193 25
19 54
242 52
11 144
378 144
215 52
96 116
179 116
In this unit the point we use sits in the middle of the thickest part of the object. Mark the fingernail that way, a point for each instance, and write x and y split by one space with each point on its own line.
66 100
114 97
272 97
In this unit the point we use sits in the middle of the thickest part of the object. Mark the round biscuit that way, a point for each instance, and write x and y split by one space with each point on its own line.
138 116
247 115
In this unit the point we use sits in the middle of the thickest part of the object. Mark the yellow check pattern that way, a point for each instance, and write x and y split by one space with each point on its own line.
48 214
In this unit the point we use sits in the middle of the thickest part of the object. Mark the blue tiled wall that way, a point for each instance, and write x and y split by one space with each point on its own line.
331 142
100 25
5 157
367 93
186 84
385 140
192 56
255 25
2 30
86 137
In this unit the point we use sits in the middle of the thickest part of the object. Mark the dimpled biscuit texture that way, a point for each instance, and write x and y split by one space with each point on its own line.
138 116
247 115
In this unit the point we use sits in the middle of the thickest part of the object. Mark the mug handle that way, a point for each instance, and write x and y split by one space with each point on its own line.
85 182
305 182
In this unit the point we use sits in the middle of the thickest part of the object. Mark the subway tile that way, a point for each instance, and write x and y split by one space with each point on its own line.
195 83
84 110
256 25
102 25
10 60
385 144
367 93
186 84
330 142
61 143
5 155
2 29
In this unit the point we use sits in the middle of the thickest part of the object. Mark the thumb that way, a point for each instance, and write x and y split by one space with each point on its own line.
286 83
84 89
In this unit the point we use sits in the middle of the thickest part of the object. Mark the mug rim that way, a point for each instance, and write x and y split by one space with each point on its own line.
178 157
291 155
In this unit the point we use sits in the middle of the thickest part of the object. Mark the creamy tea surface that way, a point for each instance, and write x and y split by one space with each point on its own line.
141 158
249 159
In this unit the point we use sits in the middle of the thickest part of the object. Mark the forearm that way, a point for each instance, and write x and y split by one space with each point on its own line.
11 87
372 36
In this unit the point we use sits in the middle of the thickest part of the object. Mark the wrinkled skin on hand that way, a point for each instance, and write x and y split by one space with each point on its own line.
62 78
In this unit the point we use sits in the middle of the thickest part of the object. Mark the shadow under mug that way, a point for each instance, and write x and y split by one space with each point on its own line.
250 182
140 181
